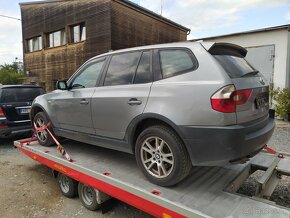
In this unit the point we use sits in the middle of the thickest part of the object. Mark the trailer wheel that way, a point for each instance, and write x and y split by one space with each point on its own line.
67 185
43 136
162 156
88 197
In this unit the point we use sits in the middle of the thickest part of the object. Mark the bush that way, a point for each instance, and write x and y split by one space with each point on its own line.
9 75
282 101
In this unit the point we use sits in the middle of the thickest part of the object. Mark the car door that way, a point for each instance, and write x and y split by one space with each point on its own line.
73 106
124 93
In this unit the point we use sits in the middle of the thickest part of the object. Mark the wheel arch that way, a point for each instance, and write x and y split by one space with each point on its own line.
143 121
35 109
55 173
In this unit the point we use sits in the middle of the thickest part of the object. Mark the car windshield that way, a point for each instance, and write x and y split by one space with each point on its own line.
20 94
236 67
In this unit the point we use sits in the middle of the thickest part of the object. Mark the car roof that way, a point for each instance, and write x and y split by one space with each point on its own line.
185 44
165 45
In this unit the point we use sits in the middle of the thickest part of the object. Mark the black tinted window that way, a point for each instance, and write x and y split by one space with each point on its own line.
235 66
89 75
143 74
175 62
122 69
20 94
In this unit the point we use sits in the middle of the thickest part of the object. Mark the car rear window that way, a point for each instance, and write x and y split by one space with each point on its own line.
175 62
236 67
20 94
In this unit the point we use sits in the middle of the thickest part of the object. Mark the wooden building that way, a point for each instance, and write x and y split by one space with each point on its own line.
60 35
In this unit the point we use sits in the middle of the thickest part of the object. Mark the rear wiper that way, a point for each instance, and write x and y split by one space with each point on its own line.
251 73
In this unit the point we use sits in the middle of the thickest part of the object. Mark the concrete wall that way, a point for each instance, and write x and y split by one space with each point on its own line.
278 38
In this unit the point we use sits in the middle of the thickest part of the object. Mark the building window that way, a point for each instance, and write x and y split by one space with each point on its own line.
34 44
78 33
57 38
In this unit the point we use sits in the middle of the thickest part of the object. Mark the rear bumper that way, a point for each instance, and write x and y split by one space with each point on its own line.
12 131
14 128
209 146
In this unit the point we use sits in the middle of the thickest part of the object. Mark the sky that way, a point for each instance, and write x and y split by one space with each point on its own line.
205 18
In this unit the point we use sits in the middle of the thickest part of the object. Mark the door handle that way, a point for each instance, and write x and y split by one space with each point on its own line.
84 101
134 101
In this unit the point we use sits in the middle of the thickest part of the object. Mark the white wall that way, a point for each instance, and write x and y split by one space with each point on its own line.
278 38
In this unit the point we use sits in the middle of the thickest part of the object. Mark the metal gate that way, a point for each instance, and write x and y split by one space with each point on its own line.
262 58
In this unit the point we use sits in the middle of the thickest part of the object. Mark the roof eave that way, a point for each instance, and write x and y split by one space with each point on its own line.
286 26
126 2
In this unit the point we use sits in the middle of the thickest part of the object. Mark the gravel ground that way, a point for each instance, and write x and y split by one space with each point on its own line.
29 190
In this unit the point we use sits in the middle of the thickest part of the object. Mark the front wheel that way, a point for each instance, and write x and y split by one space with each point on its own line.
43 136
162 156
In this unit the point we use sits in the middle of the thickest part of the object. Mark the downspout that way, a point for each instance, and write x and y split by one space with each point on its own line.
287 78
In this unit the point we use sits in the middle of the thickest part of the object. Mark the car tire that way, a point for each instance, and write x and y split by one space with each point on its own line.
67 185
165 164
43 137
88 197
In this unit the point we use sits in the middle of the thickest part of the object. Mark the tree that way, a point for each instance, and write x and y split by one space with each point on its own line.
9 74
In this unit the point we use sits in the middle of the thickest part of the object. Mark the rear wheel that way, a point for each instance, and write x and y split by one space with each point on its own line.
162 156
67 185
88 197
43 136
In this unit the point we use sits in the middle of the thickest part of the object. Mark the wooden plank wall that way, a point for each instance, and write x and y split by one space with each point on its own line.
109 25
132 28
52 64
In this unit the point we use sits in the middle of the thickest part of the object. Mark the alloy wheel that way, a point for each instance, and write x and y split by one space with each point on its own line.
41 135
157 157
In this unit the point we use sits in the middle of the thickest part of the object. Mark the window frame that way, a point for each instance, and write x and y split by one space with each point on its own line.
62 33
84 66
159 67
81 27
33 40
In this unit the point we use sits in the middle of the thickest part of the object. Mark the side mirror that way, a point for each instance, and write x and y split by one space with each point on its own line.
62 85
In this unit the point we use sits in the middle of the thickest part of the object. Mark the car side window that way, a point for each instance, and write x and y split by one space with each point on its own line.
88 76
176 61
122 69
143 73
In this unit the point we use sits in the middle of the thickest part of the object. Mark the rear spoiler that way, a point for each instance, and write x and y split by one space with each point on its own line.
225 49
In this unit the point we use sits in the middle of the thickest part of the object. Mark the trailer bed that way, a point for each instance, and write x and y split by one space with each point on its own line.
203 194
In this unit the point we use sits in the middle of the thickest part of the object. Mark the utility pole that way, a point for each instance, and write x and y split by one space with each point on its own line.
161 7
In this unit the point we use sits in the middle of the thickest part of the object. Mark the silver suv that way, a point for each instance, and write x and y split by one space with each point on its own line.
172 105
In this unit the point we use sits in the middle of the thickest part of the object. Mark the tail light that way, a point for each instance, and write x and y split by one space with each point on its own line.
3 126
226 99
2 115
2 112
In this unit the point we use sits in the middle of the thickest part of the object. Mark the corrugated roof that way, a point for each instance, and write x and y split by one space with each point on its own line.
126 2
246 32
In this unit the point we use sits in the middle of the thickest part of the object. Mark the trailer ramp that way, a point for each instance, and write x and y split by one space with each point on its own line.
207 192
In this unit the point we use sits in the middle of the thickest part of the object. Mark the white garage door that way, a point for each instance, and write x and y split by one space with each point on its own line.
262 58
